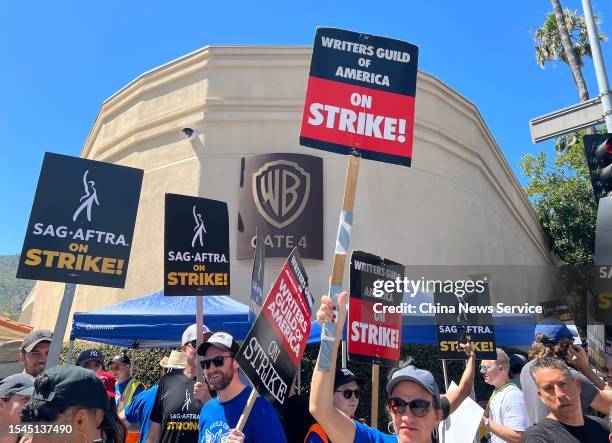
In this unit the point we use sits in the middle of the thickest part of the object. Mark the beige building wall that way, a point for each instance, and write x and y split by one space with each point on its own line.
458 204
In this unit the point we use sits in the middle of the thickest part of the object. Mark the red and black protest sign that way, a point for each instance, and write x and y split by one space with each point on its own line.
196 242
361 96
375 325
464 313
82 222
273 348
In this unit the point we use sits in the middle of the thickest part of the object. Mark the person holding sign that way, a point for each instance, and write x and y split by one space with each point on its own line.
219 417
177 405
415 404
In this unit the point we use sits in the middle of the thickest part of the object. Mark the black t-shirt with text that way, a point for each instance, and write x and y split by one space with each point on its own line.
595 430
176 409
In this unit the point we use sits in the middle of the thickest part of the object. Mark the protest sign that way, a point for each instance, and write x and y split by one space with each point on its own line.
273 348
282 193
257 277
196 244
596 339
462 425
360 96
464 313
82 222
374 335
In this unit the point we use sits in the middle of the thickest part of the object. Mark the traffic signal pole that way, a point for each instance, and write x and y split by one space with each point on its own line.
600 67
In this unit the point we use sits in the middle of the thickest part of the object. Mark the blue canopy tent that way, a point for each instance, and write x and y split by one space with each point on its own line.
420 329
158 321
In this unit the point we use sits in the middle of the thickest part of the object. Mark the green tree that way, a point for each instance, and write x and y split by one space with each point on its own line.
562 197
563 36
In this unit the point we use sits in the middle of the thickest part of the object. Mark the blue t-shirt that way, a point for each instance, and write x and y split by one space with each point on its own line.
139 410
366 434
217 418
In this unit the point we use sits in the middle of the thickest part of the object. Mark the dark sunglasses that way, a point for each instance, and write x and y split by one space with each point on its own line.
217 361
348 393
418 407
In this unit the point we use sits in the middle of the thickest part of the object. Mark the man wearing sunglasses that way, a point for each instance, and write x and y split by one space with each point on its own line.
219 417
347 388
505 417
176 409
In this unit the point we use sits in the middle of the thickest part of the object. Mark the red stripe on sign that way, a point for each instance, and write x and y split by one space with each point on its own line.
371 334
358 117
288 314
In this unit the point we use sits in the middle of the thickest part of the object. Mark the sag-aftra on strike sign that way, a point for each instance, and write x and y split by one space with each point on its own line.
360 96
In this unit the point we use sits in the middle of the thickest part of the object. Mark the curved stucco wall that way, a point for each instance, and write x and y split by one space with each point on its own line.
458 204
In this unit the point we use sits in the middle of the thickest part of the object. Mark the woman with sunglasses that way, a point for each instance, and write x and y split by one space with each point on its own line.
345 399
414 403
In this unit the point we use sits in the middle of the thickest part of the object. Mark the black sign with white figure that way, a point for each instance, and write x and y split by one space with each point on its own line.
196 239
82 222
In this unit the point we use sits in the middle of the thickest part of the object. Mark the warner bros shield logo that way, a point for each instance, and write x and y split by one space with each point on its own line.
281 190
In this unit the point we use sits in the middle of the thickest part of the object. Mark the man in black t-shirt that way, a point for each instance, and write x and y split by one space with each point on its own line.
560 392
176 410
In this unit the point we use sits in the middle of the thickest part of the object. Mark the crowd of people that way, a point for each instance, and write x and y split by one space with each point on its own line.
549 396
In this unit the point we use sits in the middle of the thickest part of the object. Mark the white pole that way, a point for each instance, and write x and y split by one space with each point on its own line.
598 62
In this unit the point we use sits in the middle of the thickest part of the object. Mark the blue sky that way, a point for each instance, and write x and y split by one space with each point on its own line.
61 60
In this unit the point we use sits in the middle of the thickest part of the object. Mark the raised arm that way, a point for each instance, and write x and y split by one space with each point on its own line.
456 397
338 427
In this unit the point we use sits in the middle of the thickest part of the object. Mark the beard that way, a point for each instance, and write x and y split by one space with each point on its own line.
223 381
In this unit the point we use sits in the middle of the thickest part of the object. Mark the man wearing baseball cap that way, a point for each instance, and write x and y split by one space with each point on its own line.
74 396
34 351
91 359
554 339
219 417
127 386
176 408
15 392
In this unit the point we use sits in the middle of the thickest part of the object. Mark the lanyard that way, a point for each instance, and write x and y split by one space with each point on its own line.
495 392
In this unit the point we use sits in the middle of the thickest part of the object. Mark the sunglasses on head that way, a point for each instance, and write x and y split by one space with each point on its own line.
418 407
217 361
348 393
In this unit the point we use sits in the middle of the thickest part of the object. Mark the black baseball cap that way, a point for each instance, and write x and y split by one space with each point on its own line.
419 376
74 386
121 358
18 384
88 355
344 376
35 337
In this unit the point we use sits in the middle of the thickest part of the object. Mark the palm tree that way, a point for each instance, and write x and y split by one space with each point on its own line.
563 36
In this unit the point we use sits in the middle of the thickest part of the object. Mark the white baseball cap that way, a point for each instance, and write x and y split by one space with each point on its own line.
190 334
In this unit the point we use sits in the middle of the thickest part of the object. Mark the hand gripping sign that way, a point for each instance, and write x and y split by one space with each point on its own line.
360 96
374 332
196 241
273 348
82 222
